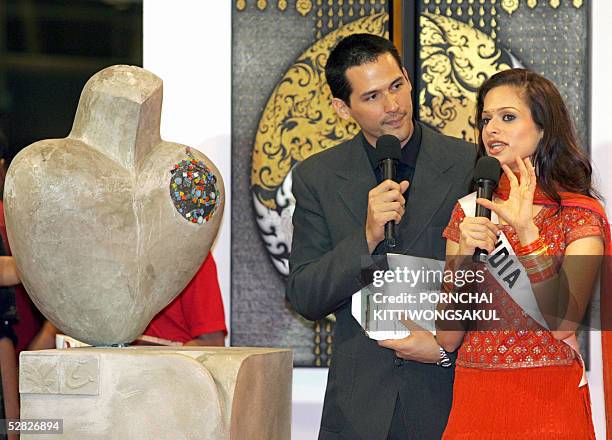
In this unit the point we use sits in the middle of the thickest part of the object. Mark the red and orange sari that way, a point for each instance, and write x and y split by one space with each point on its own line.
515 381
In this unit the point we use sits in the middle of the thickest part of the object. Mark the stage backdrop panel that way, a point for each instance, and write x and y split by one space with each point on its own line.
547 36
282 115
278 118
462 42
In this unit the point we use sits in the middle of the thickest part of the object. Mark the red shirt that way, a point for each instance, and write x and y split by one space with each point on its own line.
197 310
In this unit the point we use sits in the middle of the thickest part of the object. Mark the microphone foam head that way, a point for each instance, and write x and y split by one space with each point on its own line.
388 147
487 168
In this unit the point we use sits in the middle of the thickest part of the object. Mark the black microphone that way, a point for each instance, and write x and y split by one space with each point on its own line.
486 176
388 152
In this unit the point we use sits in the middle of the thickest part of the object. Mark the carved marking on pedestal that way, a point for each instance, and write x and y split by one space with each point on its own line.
75 380
39 375
80 375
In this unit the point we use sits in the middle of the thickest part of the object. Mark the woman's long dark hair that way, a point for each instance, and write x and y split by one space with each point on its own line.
561 165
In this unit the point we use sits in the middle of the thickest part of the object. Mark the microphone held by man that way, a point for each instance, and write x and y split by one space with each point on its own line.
388 151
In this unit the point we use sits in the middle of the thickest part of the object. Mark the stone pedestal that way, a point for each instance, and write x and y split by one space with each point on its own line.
140 393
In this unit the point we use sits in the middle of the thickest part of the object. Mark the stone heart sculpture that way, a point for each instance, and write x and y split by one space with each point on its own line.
108 225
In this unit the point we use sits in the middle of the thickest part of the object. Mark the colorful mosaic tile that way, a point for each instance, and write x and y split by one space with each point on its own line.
193 189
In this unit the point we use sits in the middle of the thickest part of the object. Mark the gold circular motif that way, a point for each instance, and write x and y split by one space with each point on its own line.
455 60
298 120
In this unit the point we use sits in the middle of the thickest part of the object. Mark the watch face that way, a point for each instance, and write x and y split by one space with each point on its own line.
445 360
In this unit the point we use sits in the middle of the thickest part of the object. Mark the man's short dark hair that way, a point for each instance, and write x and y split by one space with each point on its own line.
354 50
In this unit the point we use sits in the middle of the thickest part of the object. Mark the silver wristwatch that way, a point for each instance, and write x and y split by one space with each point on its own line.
445 360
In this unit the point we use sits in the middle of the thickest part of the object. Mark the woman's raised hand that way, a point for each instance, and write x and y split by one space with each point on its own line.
517 211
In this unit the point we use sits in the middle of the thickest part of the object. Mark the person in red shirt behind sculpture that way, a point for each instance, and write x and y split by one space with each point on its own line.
196 316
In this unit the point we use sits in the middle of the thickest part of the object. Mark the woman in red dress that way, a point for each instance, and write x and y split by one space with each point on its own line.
521 376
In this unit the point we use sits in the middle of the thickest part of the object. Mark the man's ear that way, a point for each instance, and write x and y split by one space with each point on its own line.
341 108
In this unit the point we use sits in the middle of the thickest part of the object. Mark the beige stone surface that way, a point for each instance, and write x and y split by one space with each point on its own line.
99 245
159 393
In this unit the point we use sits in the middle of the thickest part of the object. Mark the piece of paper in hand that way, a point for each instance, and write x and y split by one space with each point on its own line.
407 290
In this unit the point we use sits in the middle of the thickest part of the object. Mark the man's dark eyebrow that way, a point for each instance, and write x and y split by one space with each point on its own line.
369 92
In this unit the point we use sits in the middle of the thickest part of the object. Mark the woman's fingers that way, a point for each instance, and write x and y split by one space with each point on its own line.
533 180
483 236
487 244
478 232
487 204
523 172
510 175
480 223
495 207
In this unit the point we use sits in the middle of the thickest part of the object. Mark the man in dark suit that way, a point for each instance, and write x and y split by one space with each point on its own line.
392 389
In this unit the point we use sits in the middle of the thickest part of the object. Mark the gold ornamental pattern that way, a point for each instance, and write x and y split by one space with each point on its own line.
303 7
455 59
298 120
511 5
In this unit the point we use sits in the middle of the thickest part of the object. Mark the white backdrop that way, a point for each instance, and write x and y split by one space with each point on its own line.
601 153
188 44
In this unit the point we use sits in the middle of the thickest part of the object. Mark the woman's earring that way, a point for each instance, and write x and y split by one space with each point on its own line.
535 166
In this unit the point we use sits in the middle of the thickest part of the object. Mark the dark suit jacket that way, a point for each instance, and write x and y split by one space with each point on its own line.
331 190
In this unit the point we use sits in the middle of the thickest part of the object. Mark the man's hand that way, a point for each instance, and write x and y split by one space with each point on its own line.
385 204
420 346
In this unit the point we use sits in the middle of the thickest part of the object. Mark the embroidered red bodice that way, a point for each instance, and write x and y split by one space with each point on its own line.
516 340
